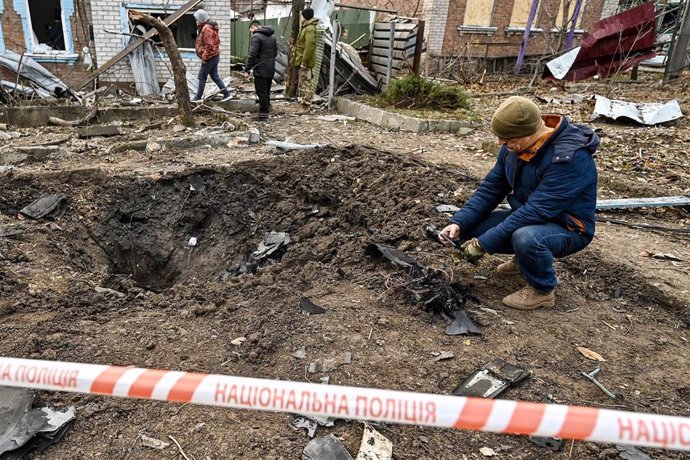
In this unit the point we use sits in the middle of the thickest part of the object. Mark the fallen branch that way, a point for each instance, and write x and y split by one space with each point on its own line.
179 447
90 115
644 226
505 93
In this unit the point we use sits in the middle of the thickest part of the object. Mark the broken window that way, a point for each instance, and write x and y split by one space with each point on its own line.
183 30
46 23
478 13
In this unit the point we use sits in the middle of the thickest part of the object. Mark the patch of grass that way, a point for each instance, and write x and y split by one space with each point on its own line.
412 94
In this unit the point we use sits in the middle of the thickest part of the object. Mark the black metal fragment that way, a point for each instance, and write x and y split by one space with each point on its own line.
46 206
554 444
491 380
429 288
310 308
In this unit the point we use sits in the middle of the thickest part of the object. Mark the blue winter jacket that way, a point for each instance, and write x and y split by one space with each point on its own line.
558 184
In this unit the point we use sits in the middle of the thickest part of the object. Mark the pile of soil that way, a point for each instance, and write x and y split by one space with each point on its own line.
181 303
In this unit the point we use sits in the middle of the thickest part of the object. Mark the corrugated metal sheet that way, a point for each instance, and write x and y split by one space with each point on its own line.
399 54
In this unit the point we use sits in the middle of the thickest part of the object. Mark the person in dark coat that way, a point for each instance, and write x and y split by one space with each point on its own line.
546 171
262 63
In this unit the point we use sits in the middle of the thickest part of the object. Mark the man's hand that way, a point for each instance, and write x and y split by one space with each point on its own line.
472 251
451 232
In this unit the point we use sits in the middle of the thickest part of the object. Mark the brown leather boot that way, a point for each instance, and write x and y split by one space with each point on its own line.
508 268
529 298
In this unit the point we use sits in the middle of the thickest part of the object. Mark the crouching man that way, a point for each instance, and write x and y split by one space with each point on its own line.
546 171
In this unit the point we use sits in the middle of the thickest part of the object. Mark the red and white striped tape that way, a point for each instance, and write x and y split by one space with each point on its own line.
499 416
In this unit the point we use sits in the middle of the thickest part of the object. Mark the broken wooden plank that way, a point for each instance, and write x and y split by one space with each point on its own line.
629 203
381 70
397 63
184 9
399 26
385 35
384 53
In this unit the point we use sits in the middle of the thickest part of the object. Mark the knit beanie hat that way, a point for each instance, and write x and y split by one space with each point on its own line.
516 117
201 16
308 14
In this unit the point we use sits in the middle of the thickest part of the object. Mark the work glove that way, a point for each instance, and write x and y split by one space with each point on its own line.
472 251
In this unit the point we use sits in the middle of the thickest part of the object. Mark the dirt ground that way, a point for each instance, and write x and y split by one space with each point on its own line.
130 214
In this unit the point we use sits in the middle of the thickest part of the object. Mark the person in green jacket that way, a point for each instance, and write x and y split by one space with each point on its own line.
305 55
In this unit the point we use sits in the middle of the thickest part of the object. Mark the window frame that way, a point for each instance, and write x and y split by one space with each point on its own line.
66 12
475 28
513 28
156 9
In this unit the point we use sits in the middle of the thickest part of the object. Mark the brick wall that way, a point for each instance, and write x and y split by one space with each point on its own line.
108 16
13 35
444 16
506 44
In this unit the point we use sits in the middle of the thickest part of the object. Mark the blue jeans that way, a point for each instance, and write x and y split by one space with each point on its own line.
210 67
535 247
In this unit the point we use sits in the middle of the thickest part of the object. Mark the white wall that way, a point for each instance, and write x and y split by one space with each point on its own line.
435 16
108 15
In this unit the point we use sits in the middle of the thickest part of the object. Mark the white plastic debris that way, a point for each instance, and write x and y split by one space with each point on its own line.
192 241
254 136
644 113
153 443
375 446
487 452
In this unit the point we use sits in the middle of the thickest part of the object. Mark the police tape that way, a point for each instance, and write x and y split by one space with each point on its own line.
498 416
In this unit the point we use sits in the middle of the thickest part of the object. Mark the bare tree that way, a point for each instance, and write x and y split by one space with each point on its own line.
179 70
291 73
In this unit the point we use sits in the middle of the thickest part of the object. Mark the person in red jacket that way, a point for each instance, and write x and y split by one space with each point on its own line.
208 49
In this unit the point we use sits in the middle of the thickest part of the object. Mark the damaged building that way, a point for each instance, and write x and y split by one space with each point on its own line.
492 31
55 33
71 37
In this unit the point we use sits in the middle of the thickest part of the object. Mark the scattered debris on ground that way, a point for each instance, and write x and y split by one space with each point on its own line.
24 429
117 262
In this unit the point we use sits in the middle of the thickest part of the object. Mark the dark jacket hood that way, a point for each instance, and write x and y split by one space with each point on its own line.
266 30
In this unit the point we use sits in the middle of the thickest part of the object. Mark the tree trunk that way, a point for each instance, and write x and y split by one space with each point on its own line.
179 70
292 71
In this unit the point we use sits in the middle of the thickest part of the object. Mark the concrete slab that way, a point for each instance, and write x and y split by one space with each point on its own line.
348 106
27 154
371 115
393 120
33 116
412 124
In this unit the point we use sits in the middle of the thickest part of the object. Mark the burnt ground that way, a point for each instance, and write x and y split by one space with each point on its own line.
131 213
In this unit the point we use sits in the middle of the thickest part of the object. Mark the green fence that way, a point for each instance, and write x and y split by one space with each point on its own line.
356 23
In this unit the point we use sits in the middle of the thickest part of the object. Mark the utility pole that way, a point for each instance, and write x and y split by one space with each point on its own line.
678 52
292 71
